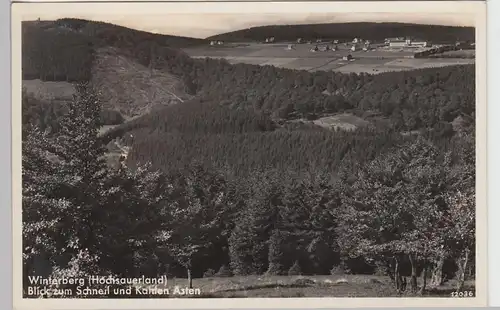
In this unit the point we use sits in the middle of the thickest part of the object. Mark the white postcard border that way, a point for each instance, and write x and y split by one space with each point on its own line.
473 7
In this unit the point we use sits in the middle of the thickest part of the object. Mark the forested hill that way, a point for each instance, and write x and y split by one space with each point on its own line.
64 50
246 123
348 31
107 33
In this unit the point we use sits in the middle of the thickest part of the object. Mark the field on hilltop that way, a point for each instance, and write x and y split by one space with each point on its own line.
342 121
375 61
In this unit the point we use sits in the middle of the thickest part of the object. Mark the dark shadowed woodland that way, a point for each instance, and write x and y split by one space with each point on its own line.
236 179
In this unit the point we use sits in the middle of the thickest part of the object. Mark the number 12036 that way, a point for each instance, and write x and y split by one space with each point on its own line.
463 294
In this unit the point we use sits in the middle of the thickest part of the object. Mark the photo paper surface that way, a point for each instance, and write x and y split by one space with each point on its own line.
247 155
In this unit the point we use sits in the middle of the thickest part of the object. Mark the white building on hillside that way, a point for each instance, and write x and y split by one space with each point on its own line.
348 57
398 43
389 40
408 43
324 48
420 43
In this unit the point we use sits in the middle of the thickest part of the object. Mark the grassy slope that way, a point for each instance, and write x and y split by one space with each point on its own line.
132 88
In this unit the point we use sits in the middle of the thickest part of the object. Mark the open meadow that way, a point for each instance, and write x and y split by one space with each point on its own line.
303 286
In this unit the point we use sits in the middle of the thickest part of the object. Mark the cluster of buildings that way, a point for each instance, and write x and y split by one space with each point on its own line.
359 41
356 45
359 44
324 48
212 43
406 42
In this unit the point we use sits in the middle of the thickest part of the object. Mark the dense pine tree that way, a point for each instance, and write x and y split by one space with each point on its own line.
63 177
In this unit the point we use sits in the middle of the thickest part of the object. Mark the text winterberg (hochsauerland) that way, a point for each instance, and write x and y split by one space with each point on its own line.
92 280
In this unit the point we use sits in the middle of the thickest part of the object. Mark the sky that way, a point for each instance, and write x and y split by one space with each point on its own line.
208 24
183 25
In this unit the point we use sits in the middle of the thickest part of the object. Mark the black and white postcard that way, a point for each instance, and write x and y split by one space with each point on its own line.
249 155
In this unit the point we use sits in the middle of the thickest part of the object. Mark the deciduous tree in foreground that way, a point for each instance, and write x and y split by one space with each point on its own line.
404 208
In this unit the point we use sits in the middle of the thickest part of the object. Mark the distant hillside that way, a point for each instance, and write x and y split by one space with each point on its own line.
348 31
63 50
126 65
111 34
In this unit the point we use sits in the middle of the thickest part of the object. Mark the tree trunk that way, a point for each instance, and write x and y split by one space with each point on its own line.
190 279
404 284
463 269
396 274
389 272
472 271
437 273
424 279
398 278
413 279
